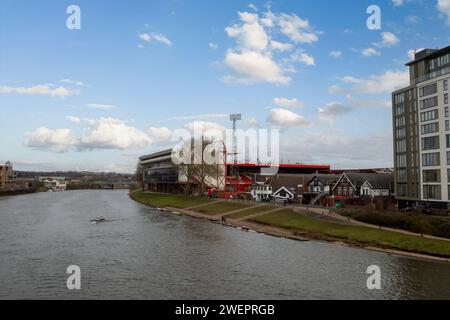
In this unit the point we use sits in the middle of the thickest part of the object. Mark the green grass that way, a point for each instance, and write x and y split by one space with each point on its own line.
438 226
167 200
220 208
249 212
358 234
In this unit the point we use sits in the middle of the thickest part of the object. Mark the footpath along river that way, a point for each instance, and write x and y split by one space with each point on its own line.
140 253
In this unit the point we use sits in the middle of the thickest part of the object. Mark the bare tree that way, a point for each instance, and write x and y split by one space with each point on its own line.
198 174
139 175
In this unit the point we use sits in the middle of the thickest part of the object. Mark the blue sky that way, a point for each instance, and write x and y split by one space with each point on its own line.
98 97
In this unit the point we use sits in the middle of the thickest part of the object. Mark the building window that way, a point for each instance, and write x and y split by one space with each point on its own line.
446 98
401 189
401 146
399 121
431 159
430 128
401 175
439 61
431 143
399 98
401 160
445 85
429 103
448 158
447 138
401 132
432 176
427 90
399 109
432 192
429 115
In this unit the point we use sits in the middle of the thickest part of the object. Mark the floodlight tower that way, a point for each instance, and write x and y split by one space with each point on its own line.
235 168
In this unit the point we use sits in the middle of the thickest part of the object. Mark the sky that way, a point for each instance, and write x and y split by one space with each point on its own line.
98 97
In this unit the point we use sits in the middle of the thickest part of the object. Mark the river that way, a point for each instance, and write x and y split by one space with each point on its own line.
140 253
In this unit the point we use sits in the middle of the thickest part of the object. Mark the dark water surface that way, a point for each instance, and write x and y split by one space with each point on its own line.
144 254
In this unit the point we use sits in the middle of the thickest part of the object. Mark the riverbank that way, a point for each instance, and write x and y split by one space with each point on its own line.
298 225
16 193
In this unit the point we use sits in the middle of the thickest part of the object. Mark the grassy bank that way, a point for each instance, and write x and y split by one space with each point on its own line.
249 212
286 221
414 222
167 200
356 234
220 208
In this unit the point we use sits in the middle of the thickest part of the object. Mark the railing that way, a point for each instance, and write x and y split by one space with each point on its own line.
317 198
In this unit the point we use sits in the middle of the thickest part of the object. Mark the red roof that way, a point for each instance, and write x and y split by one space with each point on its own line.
283 165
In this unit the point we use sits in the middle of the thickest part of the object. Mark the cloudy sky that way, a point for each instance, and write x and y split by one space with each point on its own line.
99 97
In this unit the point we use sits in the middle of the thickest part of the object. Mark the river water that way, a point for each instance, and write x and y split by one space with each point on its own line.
140 253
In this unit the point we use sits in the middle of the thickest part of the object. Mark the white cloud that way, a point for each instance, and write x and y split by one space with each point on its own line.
253 67
253 7
286 118
377 84
250 35
332 110
257 56
110 133
412 53
358 103
388 39
303 57
444 7
370 52
398 3
386 82
202 117
100 106
336 89
159 134
335 54
153 36
296 28
288 103
102 133
339 150
213 46
281 46
43 89
58 140
74 82
252 122
204 128
73 119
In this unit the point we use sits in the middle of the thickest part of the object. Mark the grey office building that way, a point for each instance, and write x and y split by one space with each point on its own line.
421 125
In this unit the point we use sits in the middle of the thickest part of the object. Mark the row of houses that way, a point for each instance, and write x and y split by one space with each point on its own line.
300 183
54 183
324 189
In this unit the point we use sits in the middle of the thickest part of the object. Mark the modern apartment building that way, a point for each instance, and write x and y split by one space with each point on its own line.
421 122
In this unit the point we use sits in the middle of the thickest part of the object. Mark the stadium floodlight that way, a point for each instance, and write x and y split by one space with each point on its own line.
235 117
